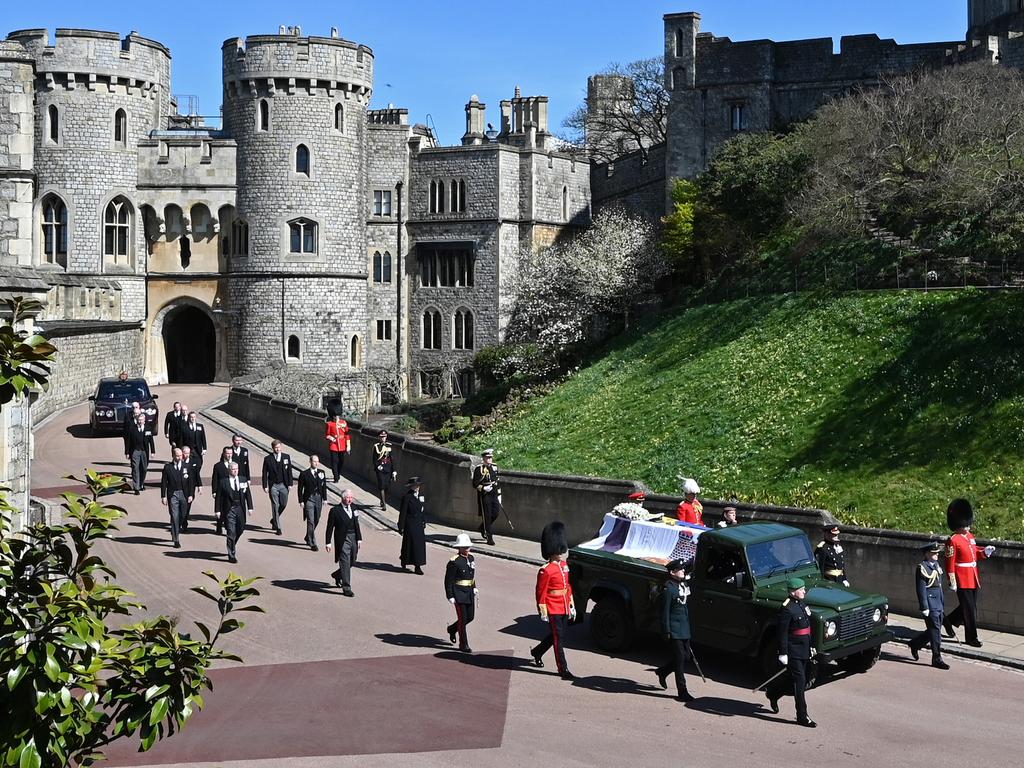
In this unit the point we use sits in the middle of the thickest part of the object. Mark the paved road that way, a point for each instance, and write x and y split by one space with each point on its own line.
328 680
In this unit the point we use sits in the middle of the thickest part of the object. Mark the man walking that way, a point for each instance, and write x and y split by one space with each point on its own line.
339 443
675 625
794 635
277 479
830 556
240 455
384 467
138 448
221 471
933 605
962 556
554 597
460 589
344 534
171 420
194 468
193 435
312 494
487 485
234 502
177 489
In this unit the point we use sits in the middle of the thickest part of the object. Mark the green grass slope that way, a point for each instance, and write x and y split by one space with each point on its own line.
879 407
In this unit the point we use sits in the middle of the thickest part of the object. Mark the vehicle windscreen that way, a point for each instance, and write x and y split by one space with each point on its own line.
774 557
131 391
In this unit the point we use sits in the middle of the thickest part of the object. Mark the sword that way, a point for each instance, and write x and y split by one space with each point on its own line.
509 519
762 685
696 663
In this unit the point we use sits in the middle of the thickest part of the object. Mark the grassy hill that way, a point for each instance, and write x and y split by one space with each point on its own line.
879 407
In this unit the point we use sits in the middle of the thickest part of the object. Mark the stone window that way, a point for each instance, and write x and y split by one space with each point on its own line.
53 124
565 203
120 128
680 42
437 197
450 267
302 160
55 231
302 236
457 196
263 116
294 350
678 78
383 330
738 116
382 202
431 337
239 241
430 383
117 226
462 329
355 353
339 118
382 267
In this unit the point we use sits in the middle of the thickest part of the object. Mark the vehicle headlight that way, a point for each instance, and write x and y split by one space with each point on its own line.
151 411
877 615
106 413
831 628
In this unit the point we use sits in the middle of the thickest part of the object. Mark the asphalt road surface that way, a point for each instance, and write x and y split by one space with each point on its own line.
328 680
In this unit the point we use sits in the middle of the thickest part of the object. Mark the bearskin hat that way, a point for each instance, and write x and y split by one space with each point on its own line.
335 408
553 540
959 514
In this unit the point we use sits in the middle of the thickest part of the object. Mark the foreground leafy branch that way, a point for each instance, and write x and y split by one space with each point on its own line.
70 683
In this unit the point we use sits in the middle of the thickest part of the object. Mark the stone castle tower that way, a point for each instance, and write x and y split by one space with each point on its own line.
296 106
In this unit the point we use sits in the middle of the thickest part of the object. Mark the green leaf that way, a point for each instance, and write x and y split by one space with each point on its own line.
30 756
159 711
51 668
15 675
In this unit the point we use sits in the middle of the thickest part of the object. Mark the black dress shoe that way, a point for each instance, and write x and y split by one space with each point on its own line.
947 629
451 636
567 675
807 723
177 545
465 649
347 592
662 680
537 660
337 582
136 491
232 559
277 531
773 705
940 664
490 541
975 643
314 547
685 697
915 653
418 571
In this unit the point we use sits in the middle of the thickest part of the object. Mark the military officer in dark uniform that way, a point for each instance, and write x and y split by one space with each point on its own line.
488 489
675 625
412 521
933 605
460 589
383 466
830 557
794 652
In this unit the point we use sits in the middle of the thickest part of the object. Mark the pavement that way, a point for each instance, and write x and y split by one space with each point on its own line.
328 680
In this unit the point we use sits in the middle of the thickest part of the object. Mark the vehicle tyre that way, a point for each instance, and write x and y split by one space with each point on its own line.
860 662
611 624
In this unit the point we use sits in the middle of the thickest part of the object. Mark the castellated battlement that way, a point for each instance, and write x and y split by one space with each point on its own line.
388 116
264 64
85 57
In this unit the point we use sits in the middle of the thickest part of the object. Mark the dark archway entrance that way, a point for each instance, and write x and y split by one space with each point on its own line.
190 343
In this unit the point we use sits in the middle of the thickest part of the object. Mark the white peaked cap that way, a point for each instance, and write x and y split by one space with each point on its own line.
690 486
463 540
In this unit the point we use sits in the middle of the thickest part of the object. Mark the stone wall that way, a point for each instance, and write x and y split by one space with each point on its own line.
881 561
87 351
632 181
17 129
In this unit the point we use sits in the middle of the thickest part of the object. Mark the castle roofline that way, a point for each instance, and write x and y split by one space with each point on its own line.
95 34
277 39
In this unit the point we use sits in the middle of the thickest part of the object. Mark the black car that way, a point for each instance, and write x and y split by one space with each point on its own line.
113 401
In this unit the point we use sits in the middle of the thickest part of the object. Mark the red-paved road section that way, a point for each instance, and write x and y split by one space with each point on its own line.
328 680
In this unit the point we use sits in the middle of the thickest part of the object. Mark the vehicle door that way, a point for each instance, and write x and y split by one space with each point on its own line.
721 606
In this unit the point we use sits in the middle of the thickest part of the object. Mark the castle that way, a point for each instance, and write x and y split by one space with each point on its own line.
308 229
719 88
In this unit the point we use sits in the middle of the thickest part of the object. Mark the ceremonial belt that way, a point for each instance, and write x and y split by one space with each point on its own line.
800 632
557 592
833 573
465 583
966 565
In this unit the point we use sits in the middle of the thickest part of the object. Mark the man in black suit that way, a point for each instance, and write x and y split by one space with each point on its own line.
343 533
220 471
234 502
131 418
194 469
177 489
277 479
138 447
240 455
193 435
171 421
312 493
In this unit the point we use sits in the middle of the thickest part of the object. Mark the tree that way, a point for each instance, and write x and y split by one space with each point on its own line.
626 109
70 683
24 357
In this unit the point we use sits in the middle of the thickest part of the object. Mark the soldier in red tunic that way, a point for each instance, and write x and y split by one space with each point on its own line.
690 510
554 597
339 444
962 555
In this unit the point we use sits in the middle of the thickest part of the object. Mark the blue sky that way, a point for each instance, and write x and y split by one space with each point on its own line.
431 56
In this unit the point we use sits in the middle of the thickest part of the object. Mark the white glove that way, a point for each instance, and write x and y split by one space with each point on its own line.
394 475
451 600
784 660
814 652
476 591
925 613
572 615
989 550
489 487
846 583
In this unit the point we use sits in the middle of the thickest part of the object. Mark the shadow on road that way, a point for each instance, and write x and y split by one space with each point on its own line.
151 524
196 554
306 585
603 684
280 542
408 640
141 540
490 660
84 431
387 567
714 705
